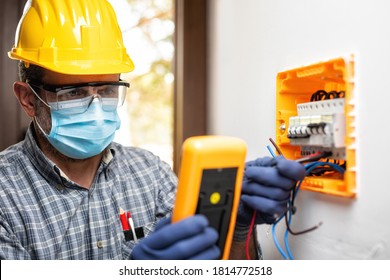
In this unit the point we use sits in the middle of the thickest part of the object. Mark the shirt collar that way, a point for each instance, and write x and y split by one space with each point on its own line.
44 165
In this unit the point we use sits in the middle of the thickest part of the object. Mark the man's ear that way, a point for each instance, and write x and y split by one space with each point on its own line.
25 97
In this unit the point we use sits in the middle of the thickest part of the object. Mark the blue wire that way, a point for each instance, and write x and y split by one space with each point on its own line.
271 152
284 255
309 167
286 244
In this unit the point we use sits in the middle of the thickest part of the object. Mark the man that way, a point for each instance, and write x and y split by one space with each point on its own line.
64 188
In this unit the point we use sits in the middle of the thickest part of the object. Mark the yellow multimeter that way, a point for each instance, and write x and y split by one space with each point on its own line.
210 179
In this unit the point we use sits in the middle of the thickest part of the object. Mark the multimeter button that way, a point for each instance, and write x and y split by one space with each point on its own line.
215 197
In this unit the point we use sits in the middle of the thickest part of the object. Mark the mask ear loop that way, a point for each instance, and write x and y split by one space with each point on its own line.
40 127
35 118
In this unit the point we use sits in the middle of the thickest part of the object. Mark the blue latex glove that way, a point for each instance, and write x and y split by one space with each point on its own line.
191 238
266 189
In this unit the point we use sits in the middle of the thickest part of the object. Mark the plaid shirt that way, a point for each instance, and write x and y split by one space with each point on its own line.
44 215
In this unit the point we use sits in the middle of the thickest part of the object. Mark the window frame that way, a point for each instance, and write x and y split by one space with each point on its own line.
190 70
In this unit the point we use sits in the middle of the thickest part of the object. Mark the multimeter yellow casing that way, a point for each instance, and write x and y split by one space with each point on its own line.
210 179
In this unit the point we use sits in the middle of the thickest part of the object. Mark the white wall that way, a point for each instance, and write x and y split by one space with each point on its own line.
250 42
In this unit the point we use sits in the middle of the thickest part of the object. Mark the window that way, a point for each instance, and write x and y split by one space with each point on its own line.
147 115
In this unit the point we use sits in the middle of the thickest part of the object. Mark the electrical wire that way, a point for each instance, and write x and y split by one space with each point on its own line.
291 209
286 244
287 215
254 212
276 146
288 254
270 151
278 247
314 157
248 237
324 95
280 217
312 166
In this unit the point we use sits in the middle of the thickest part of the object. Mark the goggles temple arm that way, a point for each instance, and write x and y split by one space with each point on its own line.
37 95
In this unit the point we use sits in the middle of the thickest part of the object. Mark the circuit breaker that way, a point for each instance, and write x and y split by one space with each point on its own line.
315 114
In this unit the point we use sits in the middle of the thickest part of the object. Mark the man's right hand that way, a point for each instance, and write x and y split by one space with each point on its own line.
191 238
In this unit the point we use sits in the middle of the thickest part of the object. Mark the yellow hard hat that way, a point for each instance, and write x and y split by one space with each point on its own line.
71 37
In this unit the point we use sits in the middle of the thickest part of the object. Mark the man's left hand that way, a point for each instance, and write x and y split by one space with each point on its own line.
266 188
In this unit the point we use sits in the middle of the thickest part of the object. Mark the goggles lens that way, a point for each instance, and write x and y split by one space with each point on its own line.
76 99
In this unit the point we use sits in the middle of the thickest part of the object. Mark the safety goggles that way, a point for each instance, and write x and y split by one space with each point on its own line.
76 99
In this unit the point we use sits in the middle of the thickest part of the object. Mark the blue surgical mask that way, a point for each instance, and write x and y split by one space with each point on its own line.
84 135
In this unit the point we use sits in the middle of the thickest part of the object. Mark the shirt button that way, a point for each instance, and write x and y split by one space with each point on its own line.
99 244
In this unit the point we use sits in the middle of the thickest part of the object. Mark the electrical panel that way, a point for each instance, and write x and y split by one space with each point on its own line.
315 115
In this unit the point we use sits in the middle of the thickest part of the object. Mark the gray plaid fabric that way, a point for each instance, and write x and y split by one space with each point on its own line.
46 216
